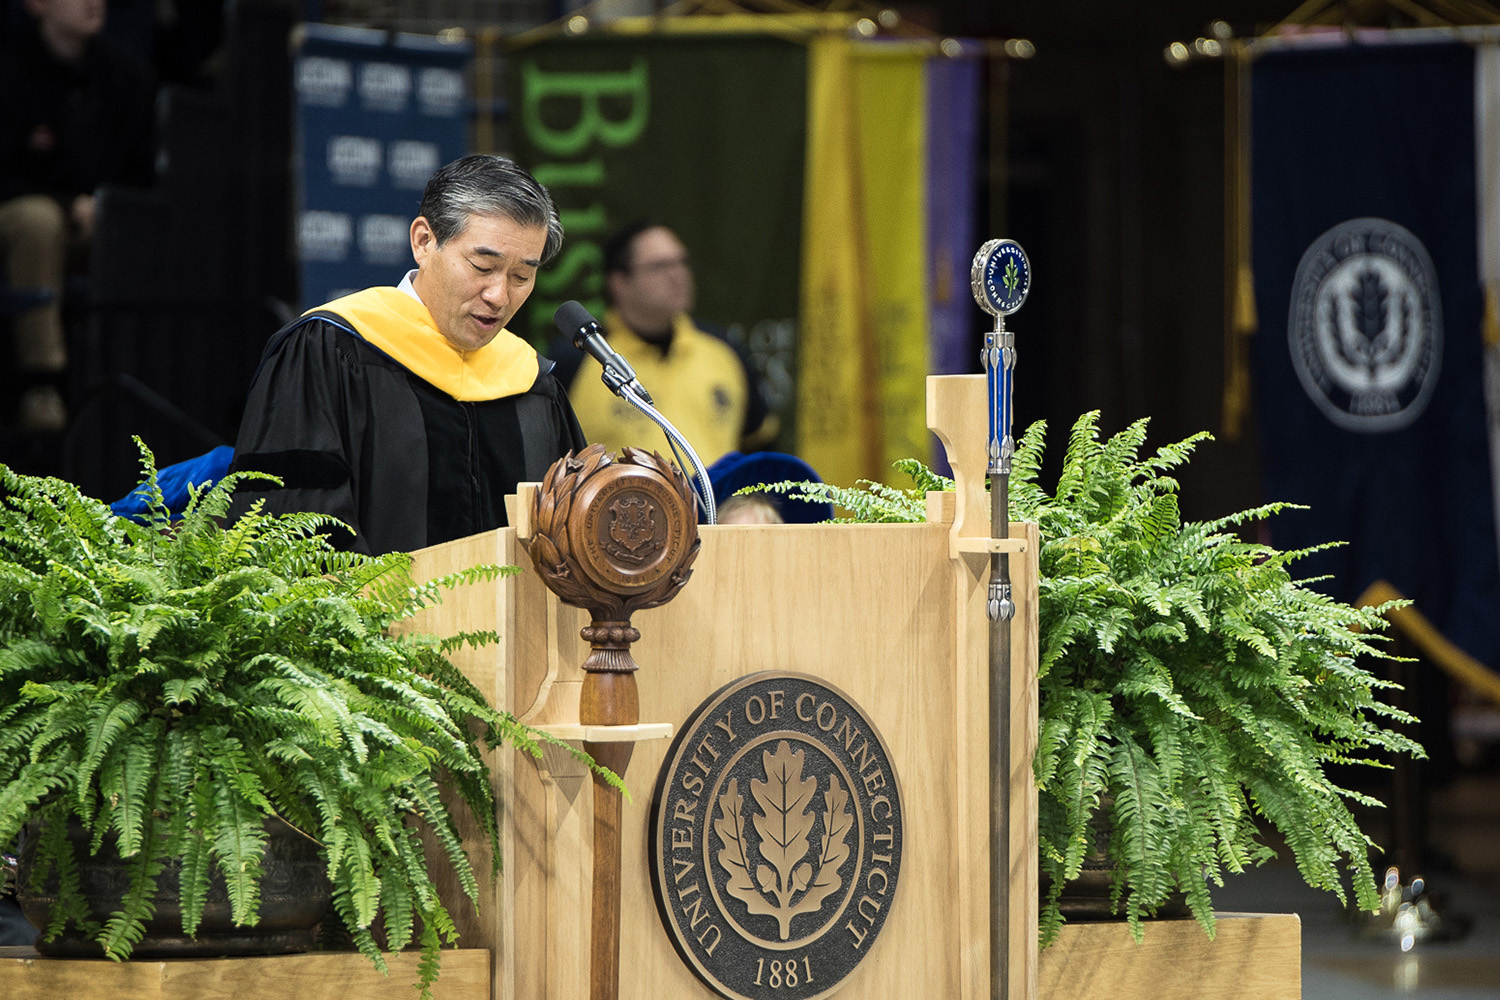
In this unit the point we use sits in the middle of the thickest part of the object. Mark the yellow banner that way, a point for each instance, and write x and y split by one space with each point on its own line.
891 101
864 318
838 406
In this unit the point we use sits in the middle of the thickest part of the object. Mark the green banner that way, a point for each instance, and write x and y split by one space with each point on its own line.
705 134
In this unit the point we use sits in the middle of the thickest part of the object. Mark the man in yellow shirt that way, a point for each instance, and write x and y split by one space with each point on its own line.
696 379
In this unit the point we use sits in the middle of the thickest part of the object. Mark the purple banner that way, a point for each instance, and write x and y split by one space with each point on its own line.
952 158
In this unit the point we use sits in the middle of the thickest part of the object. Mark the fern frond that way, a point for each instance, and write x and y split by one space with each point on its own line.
111 720
137 784
430 808
359 933
20 795
396 902
238 847
1026 463
193 879
127 925
358 874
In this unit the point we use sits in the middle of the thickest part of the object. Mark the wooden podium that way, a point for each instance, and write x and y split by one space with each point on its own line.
890 615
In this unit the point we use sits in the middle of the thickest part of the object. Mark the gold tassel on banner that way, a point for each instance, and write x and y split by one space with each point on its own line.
1491 330
486 50
1239 279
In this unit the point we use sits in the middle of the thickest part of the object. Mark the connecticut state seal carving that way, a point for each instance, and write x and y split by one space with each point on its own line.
776 836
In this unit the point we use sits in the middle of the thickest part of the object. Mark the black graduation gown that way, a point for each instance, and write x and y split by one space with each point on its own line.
356 435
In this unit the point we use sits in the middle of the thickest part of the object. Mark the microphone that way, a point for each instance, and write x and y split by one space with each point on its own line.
574 321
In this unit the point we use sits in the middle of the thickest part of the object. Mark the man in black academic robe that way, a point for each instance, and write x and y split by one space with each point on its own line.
410 412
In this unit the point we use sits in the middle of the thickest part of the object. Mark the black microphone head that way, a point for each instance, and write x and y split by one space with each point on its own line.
572 319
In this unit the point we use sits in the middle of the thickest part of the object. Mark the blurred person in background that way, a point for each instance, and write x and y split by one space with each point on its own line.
76 111
697 379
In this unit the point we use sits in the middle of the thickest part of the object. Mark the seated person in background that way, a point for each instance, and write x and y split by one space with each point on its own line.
410 412
696 379
739 482
749 508
76 111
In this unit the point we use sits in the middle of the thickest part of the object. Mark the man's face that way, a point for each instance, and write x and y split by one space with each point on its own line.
474 283
79 19
659 284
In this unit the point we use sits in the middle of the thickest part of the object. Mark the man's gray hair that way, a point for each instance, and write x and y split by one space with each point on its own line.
484 184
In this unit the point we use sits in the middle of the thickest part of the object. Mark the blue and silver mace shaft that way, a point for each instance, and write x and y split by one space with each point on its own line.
1000 279
999 369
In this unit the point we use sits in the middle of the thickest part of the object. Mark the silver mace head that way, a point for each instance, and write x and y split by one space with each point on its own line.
1000 278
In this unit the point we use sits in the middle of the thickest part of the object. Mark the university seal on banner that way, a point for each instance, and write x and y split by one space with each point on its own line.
776 838
1365 329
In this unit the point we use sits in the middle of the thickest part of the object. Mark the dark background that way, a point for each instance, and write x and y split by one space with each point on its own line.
1103 160
1112 175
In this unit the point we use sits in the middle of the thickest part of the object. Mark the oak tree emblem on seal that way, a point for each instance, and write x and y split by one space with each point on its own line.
791 877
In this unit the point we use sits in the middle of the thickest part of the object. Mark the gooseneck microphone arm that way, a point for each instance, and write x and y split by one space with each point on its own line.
628 392
574 321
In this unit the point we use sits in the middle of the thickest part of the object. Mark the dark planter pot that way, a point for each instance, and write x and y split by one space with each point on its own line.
294 896
1086 898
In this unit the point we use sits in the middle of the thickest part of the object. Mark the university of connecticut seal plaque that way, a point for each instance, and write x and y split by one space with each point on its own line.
776 838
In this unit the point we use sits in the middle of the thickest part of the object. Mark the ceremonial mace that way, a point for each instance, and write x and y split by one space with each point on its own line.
612 537
1000 279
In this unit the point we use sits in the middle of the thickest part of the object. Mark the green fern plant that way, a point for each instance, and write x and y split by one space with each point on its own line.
171 684
1191 689
867 501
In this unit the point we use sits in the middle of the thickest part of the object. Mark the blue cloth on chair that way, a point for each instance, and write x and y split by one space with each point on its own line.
736 470
176 481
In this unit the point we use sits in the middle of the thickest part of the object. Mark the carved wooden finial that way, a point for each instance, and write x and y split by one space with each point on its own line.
612 536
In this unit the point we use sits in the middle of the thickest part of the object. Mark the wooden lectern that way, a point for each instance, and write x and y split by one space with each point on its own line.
892 615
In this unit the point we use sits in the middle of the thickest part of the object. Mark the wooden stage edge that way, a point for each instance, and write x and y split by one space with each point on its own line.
341 975
1254 956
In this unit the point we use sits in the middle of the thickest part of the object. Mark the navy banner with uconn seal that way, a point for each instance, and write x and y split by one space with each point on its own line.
1369 356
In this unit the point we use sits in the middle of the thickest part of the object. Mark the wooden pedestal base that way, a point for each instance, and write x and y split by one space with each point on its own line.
322 976
1253 957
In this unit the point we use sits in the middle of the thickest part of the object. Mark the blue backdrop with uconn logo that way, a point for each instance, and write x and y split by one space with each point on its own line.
1368 360
377 113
